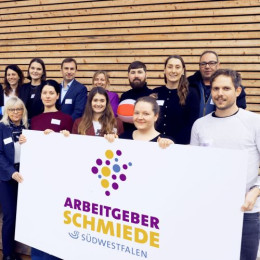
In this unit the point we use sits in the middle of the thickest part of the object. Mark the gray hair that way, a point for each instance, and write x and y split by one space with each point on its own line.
11 102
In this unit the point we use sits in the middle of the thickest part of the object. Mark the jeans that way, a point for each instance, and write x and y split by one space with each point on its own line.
250 236
8 201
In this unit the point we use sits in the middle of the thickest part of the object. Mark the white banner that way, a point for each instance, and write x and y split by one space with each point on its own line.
83 197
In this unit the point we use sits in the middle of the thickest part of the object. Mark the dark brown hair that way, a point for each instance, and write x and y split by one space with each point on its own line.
107 119
8 89
183 88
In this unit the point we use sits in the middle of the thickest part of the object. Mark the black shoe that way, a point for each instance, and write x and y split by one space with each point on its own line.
11 258
8 258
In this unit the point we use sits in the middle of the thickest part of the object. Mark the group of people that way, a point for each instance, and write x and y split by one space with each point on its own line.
212 97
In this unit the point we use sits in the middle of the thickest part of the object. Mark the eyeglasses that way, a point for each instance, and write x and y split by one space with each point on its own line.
13 110
210 63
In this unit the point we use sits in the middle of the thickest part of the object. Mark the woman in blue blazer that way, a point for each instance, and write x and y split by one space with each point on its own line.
13 122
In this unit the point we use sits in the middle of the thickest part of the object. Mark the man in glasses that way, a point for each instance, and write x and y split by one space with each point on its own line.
200 80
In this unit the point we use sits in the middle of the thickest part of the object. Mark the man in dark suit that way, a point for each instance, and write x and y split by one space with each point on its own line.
73 96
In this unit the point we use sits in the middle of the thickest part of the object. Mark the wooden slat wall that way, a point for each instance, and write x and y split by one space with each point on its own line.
111 34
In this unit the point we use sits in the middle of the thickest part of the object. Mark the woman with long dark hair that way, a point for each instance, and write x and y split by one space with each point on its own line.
179 103
31 92
13 81
98 118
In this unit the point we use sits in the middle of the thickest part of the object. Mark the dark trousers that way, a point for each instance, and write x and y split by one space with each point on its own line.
40 255
8 201
250 236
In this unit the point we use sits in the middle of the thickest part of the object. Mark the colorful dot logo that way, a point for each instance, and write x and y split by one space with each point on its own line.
110 172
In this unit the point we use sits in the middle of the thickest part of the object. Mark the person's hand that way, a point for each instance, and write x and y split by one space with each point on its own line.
47 131
250 199
22 139
110 137
66 133
164 142
17 177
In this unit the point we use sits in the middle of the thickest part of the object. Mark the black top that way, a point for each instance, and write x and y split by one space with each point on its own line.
129 135
134 94
176 120
31 96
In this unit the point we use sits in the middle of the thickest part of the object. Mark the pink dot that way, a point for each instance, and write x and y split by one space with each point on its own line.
99 161
122 177
94 170
115 186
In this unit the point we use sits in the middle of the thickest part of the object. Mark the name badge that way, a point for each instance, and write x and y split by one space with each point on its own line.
211 102
160 102
8 140
33 95
55 121
68 101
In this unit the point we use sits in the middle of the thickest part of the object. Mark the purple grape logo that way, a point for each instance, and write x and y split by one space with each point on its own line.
110 171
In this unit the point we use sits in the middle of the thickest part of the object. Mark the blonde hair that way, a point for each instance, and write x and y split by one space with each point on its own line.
11 102
106 77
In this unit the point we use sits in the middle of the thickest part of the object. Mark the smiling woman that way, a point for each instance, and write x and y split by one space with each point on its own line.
13 81
179 104
13 122
98 118
31 92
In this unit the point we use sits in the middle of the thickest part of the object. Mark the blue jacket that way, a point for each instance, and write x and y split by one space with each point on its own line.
6 153
75 100
196 82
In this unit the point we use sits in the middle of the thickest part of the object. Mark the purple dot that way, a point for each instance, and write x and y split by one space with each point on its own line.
107 162
116 168
115 186
122 177
99 162
125 166
114 177
130 164
118 152
107 193
94 170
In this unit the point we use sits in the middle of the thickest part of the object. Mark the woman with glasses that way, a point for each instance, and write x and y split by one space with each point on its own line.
31 92
13 81
13 122
179 104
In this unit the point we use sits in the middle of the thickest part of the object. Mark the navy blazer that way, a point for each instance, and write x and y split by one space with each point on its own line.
6 153
75 100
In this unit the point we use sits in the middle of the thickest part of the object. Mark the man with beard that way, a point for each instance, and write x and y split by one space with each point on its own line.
137 80
200 80
234 128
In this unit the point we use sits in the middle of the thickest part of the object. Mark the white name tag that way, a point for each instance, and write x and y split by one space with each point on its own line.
55 121
160 102
68 101
33 95
211 102
8 140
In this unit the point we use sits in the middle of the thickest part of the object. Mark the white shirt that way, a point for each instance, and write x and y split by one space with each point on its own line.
240 131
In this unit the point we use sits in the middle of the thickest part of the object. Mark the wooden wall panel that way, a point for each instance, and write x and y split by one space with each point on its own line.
111 34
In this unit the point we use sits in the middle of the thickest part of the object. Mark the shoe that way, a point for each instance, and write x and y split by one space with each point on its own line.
11 258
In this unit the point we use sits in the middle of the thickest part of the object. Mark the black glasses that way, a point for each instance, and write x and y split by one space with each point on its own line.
13 110
210 63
